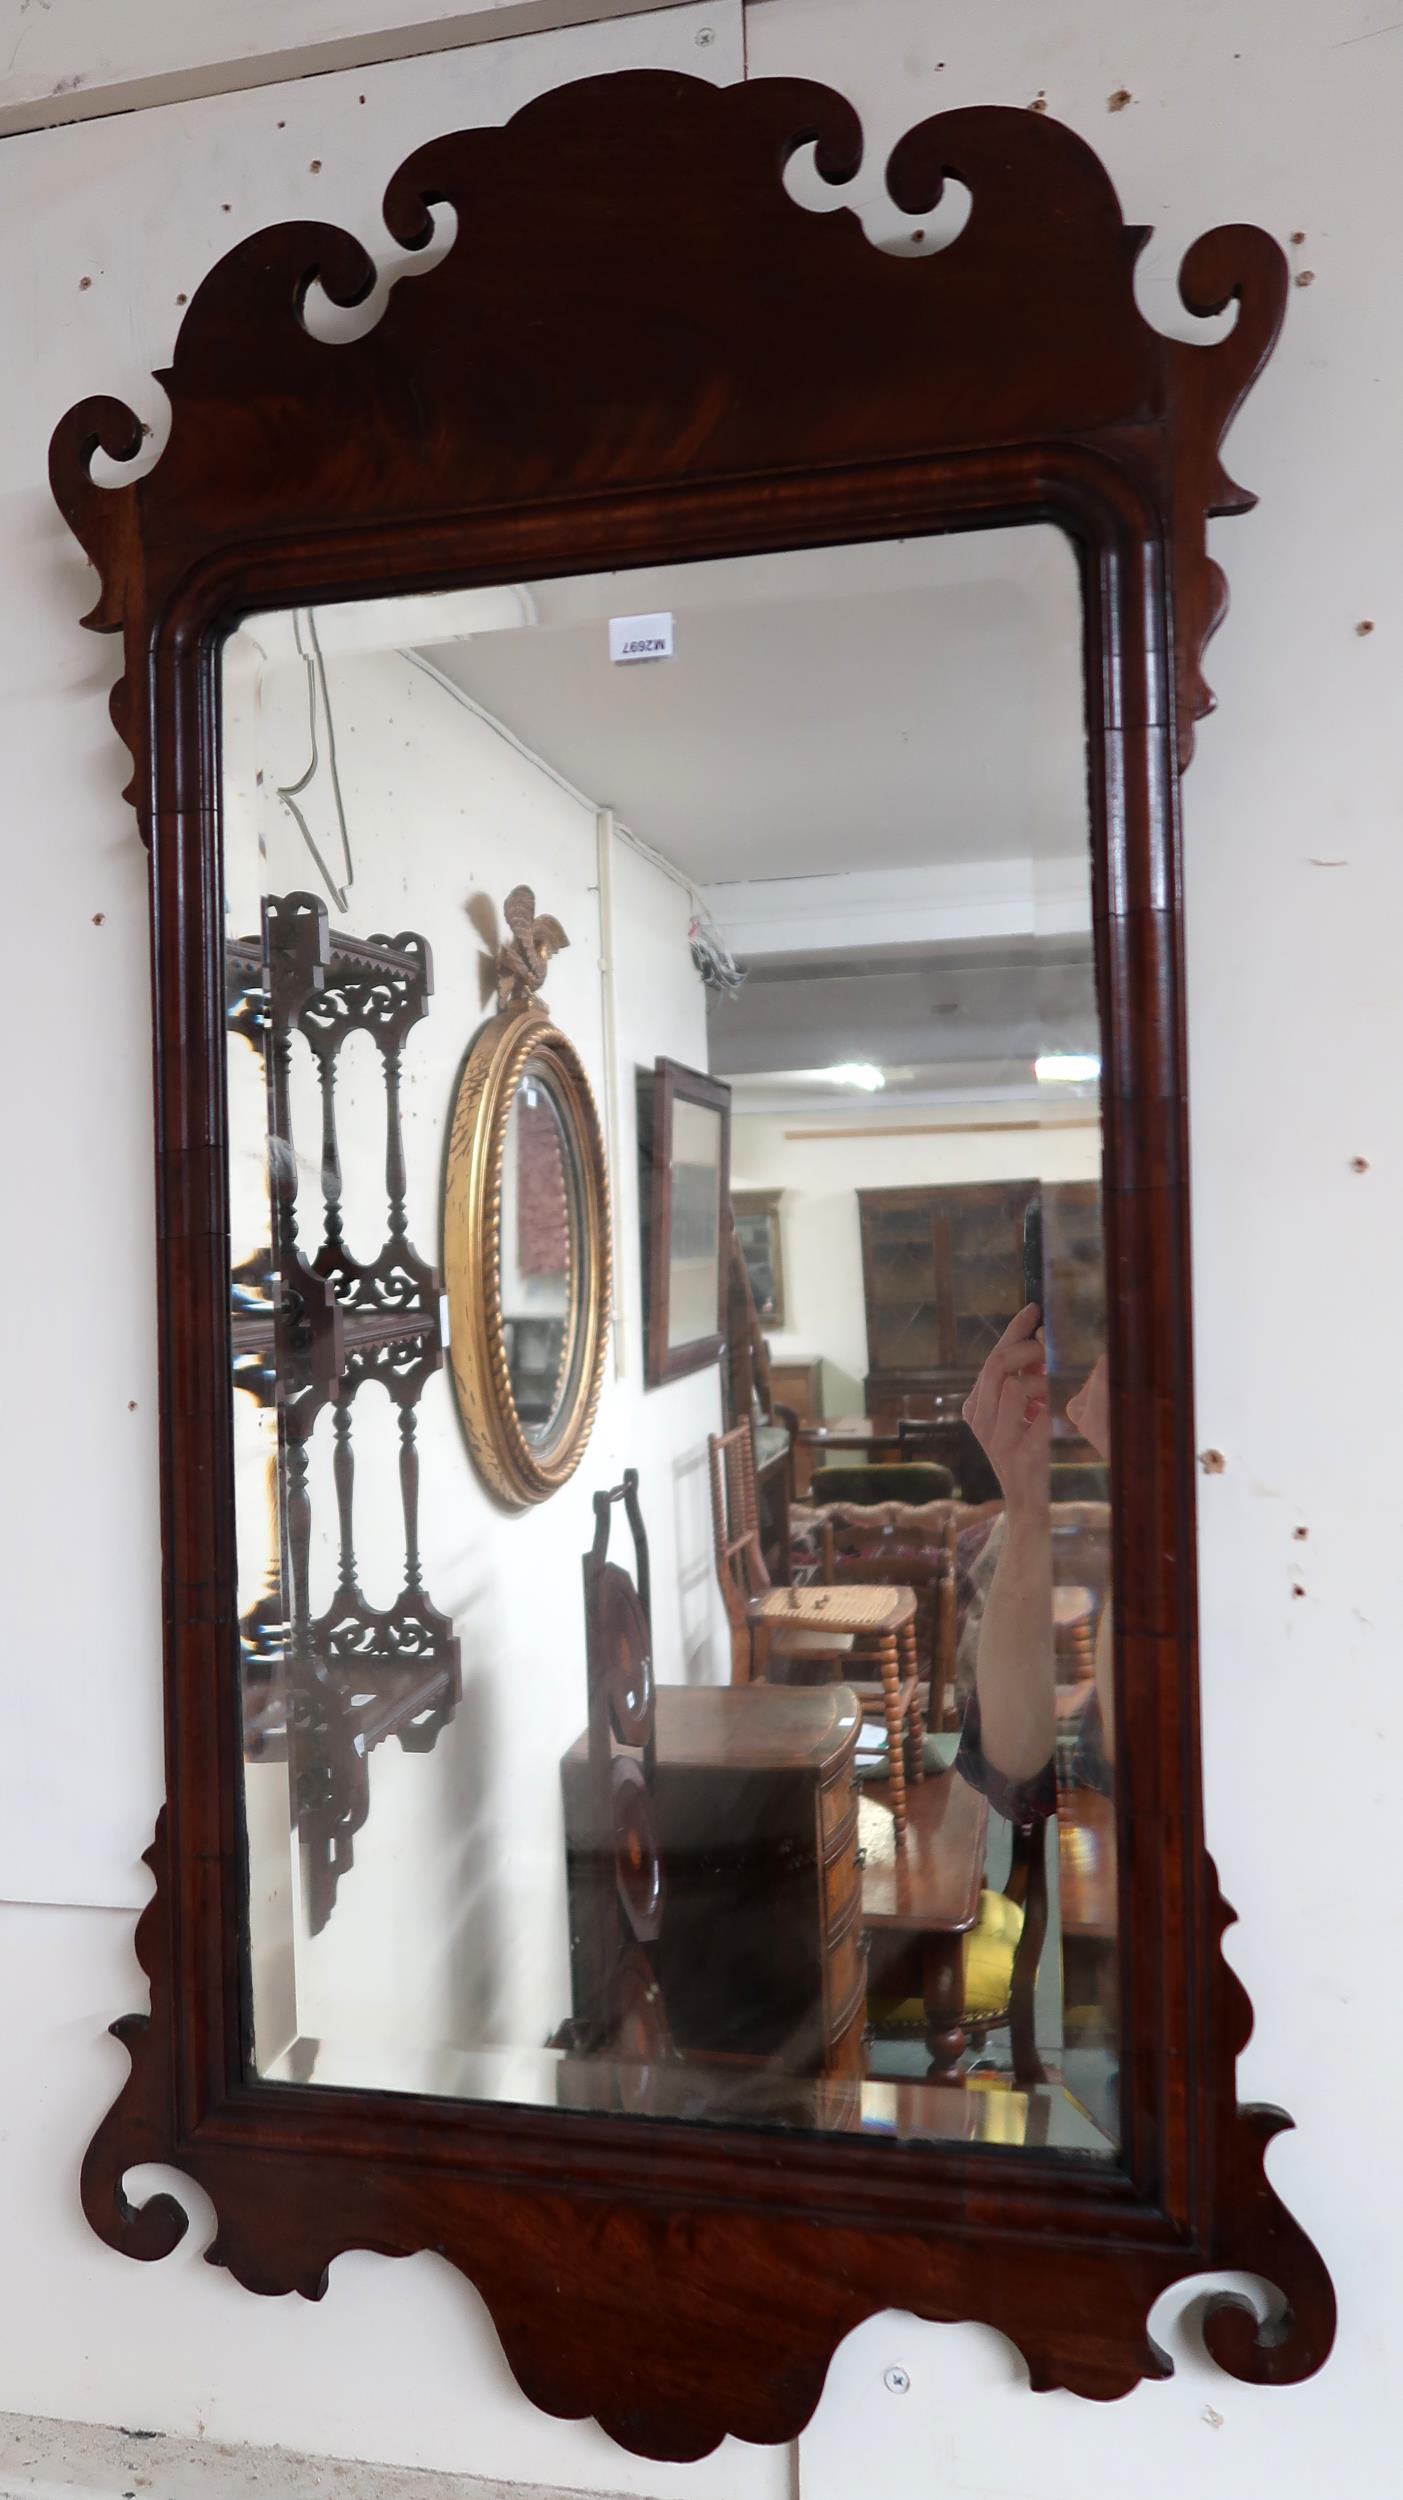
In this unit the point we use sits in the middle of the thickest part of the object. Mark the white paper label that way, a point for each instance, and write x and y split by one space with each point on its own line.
640 637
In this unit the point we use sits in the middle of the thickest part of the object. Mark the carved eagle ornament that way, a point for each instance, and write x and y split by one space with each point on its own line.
522 961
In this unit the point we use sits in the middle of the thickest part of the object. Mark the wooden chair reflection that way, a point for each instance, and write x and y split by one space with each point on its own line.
922 1989
1006 1947
1003 1954
900 1545
749 1398
818 1633
622 1887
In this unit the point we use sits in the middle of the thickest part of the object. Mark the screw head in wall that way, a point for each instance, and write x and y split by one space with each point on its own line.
705 35
896 2381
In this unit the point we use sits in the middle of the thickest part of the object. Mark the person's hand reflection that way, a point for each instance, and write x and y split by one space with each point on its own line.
1007 1411
1089 1410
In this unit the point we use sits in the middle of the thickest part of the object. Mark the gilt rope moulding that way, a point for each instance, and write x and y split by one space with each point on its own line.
600 375
520 1050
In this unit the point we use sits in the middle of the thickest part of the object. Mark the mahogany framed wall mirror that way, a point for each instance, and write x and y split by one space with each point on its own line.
691 1966
684 1130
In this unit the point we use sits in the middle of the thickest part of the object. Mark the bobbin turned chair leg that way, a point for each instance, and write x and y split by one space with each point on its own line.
889 1667
915 1723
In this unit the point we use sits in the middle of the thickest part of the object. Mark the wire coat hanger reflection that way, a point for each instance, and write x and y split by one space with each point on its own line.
315 666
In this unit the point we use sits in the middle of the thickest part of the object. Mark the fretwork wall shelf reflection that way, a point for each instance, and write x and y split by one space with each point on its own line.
321 1691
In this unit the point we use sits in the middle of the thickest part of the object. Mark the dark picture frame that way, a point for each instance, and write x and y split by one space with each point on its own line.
683 1199
599 373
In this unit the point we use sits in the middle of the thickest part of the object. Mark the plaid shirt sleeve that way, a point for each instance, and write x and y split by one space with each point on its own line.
1026 1802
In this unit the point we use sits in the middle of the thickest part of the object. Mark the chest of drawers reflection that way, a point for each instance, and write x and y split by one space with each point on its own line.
760 1955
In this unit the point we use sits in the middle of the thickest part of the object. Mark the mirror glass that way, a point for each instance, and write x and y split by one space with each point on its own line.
756 1218
805 1816
544 1254
694 1261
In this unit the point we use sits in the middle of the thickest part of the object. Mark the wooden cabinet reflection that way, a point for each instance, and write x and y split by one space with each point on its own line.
760 1955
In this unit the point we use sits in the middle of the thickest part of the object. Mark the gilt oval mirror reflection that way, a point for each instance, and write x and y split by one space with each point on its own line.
832 858
527 1260
544 1266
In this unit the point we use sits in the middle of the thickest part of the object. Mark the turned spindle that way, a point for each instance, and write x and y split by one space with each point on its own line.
395 1178
331 1148
343 1469
409 1491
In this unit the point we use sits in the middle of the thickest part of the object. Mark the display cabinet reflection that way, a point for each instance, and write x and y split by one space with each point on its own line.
757 1763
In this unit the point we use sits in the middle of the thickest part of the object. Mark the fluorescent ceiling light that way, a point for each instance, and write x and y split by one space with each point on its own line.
858 1072
1066 1067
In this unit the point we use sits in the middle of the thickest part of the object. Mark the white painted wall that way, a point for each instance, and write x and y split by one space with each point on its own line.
1281 111
450 1928
821 1173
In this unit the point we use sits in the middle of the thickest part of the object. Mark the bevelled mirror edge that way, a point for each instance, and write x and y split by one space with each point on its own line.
340 1663
1195 2196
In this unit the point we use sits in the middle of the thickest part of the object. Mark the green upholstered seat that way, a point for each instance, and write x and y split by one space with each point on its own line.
919 1480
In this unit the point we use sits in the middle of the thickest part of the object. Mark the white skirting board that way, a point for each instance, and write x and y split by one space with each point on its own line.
41 2459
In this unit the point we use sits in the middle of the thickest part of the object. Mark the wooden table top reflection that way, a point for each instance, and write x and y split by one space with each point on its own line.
932 1886
750 1727
919 1902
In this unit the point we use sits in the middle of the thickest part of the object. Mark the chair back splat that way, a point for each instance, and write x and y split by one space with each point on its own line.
621 1885
735 1529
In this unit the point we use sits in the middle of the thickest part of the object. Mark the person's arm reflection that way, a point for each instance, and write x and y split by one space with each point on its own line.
1008 1742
